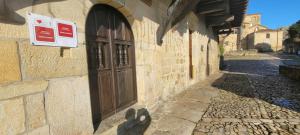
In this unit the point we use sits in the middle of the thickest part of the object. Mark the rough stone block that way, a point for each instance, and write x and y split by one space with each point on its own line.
42 7
13 31
47 62
9 62
116 3
104 1
74 14
12 117
40 131
22 88
81 37
175 126
124 11
68 106
36 116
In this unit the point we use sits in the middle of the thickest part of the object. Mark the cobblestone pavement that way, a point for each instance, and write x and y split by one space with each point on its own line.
253 99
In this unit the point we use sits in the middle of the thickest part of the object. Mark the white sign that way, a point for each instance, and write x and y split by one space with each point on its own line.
66 33
51 32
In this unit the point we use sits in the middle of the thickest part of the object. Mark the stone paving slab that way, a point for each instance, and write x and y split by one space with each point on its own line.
174 126
246 128
201 94
253 100
184 111
179 115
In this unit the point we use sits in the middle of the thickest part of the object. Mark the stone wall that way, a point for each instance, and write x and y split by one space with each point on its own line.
251 40
167 66
246 35
253 19
251 24
44 90
230 43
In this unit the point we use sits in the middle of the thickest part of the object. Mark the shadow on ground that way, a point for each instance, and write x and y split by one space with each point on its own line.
137 122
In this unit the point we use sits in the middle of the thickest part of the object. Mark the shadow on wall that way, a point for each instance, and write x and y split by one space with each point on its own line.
137 122
8 10
264 47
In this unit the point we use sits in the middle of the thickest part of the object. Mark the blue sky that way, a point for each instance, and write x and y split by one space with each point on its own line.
276 13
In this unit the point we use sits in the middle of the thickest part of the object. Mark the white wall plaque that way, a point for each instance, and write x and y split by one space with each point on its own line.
47 31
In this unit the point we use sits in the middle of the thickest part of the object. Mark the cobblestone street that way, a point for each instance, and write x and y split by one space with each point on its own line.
253 99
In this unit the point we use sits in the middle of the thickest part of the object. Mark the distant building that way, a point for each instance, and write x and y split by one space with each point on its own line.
230 41
253 35
265 40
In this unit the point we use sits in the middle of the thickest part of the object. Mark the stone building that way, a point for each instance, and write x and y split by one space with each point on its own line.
253 35
251 24
266 40
130 54
230 41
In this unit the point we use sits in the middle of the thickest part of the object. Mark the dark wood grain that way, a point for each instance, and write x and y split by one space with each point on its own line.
111 60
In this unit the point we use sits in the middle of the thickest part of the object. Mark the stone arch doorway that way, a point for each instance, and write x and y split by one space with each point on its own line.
111 62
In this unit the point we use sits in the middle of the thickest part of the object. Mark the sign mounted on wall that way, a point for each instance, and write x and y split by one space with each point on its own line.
47 31
66 34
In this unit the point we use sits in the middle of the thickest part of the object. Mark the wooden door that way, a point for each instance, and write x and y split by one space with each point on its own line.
191 54
207 58
111 61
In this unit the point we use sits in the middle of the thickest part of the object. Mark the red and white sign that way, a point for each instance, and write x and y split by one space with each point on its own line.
44 34
65 30
51 32
66 34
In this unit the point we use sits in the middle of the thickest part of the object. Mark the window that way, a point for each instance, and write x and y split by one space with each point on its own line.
268 35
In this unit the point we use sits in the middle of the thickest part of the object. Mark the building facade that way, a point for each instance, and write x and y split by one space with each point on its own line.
251 24
230 42
266 40
116 65
253 35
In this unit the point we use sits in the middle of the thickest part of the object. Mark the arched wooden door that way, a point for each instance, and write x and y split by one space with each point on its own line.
111 62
